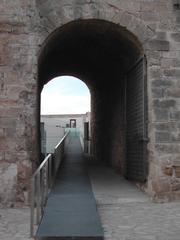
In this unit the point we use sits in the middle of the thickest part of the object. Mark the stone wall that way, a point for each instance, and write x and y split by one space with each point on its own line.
25 25
18 87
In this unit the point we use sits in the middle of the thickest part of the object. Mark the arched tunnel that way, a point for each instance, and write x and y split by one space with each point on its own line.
108 58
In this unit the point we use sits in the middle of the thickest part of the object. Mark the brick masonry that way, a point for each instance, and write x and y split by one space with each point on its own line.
24 27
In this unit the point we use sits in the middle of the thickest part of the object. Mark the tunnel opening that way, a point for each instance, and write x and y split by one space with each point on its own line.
110 60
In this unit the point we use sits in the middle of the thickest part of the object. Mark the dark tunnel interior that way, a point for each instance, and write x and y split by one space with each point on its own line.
100 53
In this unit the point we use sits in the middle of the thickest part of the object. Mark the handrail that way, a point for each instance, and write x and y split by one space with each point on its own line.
42 181
62 139
42 164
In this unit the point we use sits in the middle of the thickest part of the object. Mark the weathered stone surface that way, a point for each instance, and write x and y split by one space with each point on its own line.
162 137
173 62
161 115
157 92
176 36
163 185
168 148
172 72
167 126
161 36
175 116
162 83
158 45
8 179
177 173
173 92
168 170
155 73
158 103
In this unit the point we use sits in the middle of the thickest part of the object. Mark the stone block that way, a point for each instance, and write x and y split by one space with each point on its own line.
153 57
175 36
154 6
177 171
155 72
157 92
168 126
161 115
170 148
8 179
170 62
173 93
175 185
162 83
7 122
161 185
165 24
147 7
15 28
161 35
172 72
176 136
175 115
178 20
10 132
176 161
2 132
3 57
170 54
149 16
158 45
168 170
169 103
163 137
2 155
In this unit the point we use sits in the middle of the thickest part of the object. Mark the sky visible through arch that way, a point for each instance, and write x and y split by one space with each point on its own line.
65 95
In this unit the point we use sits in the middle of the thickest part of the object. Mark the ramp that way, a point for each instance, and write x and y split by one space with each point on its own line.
71 211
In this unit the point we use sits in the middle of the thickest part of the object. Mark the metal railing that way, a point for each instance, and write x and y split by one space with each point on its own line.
42 182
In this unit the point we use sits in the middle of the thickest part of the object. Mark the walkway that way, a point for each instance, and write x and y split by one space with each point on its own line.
71 211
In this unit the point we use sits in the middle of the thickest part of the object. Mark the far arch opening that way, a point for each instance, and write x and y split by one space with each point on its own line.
65 106
110 60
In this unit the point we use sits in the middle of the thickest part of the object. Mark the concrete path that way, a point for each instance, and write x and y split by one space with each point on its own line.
129 214
71 211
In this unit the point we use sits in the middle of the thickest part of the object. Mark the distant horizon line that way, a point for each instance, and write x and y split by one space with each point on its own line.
64 114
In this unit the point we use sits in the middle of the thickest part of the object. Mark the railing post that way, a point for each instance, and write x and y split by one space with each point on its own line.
50 172
38 211
42 182
46 181
32 208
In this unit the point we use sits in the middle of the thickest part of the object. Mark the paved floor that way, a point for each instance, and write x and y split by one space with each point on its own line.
14 224
126 212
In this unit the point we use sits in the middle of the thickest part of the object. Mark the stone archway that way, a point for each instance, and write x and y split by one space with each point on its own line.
101 53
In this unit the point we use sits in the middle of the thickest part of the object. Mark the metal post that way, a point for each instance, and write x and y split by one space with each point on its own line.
32 208
38 198
42 182
50 172
47 180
